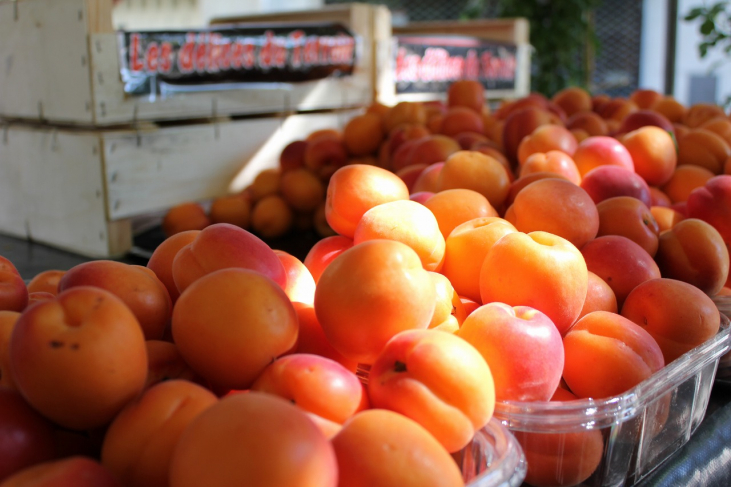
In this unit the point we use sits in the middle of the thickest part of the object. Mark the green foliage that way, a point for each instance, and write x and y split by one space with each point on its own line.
560 32
714 26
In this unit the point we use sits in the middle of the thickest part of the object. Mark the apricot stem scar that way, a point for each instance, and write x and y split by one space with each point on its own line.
399 367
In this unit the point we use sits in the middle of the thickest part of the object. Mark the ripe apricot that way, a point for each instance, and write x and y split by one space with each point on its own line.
311 338
302 190
556 206
414 458
523 181
363 134
76 470
13 292
631 218
607 354
404 112
589 122
323 154
369 293
466 93
231 209
461 119
230 324
7 323
452 207
271 217
701 147
653 154
698 114
599 297
478 172
520 123
678 315
553 161
644 98
720 126
600 150
300 284
79 358
540 270
253 439
185 216
465 250
161 260
292 156
165 363
431 149
684 180
547 138
665 217
447 303
670 108
46 281
323 252
616 110
428 180
140 441
572 99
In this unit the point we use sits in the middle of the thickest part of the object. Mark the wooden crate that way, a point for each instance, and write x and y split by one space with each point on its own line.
60 65
509 32
78 189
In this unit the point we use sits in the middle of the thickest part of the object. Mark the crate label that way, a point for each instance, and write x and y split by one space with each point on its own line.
429 63
167 62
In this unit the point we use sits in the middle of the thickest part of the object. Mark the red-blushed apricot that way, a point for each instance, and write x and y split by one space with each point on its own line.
74 471
363 134
452 207
300 284
404 112
555 206
369 293
161 260
45 281
164 363
13 292
540 270
466 93
600 150
357 188
222 246
311 338
407 222
323 252
620 262
324 154
658 197
547 138
292 156
608 181
700 113
403 133
7 323
644 118
431 149
413 457
694 252
665 217
26 437
522 348
467 140
684 180
448 304
590 122
572 99
631 218
561 459
230 324
478 172
676 314
554 162
599 297
518 124
7 266
644 98
79 358
606 354
231 209
410 174
523 181
465 250
457 120
137 286
701 147
437 379
712 203
316 384
653 154
253 439
428 179
183 217
140 441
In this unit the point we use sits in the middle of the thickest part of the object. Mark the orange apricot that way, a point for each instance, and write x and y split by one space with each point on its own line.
644 98
553 161
161 260
478 172
460 119
631 218
302 190
271 217
547 138
599 297
452 207
466 93
653 154
185 216
572 99
670 108
7 323
589 122
45 281
684 180
665 217
701 147
363 134
698 114
311 338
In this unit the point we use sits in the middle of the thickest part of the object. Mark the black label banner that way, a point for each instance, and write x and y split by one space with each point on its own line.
215 58
429 63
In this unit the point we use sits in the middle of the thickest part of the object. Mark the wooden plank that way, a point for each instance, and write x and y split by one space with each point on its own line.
99 16
513 31
12 201
384 83
148 172
44 61
59 190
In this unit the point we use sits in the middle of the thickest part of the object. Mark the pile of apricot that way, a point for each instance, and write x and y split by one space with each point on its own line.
549 250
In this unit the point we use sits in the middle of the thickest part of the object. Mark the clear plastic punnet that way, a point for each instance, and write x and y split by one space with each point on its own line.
493 458
619 440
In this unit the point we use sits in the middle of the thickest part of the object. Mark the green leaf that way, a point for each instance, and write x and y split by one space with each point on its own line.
693 14
707 27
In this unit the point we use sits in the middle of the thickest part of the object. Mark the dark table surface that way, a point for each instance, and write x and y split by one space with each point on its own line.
704 461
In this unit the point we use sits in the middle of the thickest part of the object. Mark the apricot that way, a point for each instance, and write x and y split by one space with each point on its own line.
644 98
520 123
253 439
665 217
410 174
553 161
137 286
678 315
653 154
323 252
461 119
620 262
547 138
540 270
311 338
572 99
79 358
413 458
684 180
428 179
447 304
320 224
13 292
292 156
437 379
600 150
701 147
555 206
231 209
501 333
300 283
324 153
357 188
271 217
523 181
222 246
720 126
610 181
599 297
164 363
140 441
7 323
693 251
670 108
467 140
712 203
408 222
302 190
617 109
45 281
452 207
589 122
659 198
700 113
161 260
185 216
363 134
606 354
369 293
466 93
230 324
430 149
403 133
631 218
644 118
478 172
404 112
77 471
